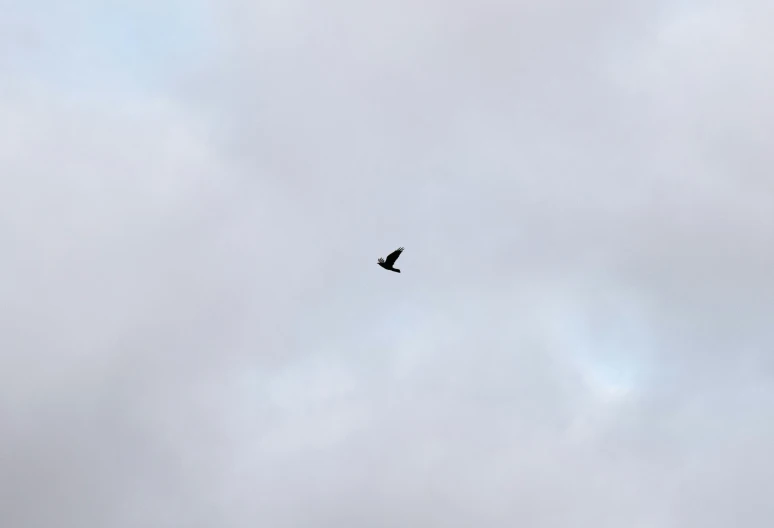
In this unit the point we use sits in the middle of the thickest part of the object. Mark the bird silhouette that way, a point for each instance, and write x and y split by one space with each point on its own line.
391 258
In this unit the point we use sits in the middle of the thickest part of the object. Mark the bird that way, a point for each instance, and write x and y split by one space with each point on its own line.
391 258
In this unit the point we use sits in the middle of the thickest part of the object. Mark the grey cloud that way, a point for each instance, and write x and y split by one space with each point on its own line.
195 332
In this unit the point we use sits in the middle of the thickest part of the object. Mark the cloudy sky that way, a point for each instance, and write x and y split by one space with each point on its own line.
193 328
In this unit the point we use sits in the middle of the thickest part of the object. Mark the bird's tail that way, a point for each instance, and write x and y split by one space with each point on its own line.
396 270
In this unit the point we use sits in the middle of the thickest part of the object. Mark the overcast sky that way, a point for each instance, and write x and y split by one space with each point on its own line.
194 331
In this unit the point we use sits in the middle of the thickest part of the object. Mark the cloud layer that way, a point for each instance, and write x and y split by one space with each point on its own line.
194 330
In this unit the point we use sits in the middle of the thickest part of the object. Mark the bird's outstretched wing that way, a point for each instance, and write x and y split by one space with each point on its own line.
392 257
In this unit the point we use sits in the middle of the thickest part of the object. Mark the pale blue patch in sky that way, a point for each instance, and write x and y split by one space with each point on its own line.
89 51
609 351
167 39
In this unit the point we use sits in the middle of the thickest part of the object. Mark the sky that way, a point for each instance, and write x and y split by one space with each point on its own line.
194 331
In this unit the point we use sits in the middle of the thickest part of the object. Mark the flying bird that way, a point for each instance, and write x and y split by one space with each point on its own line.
391 258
